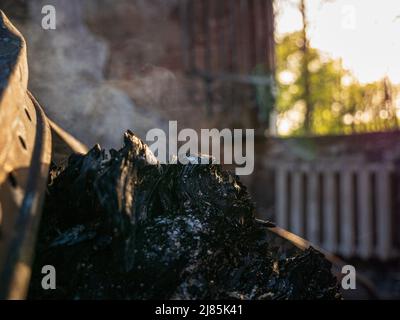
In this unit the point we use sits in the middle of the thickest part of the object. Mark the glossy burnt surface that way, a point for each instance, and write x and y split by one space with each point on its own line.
122 226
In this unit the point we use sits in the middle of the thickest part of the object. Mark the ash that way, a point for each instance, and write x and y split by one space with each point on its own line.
122 226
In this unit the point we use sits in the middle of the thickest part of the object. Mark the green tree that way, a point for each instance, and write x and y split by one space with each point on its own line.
330 100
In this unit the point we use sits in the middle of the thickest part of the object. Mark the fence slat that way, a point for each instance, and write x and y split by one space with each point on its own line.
281 198
329 211
384 235
296 204
365 242
340 234
346 213
312 207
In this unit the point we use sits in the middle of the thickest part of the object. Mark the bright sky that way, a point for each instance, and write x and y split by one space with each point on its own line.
364 33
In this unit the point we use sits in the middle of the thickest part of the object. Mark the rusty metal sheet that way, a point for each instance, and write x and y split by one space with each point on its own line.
25 153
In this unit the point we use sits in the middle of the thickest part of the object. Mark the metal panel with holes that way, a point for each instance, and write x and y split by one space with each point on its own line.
25 151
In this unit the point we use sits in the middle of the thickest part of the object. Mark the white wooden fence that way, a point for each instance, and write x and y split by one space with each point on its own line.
345 208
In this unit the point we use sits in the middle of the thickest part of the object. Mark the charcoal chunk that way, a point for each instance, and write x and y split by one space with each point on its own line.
123 226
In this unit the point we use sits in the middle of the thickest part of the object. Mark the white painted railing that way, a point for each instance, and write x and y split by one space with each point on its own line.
345 208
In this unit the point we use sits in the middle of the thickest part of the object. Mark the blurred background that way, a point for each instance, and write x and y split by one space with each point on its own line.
318 80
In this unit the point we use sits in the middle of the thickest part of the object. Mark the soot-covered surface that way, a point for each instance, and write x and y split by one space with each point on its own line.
121 226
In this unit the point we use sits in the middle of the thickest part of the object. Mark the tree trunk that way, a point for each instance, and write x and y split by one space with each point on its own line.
305 73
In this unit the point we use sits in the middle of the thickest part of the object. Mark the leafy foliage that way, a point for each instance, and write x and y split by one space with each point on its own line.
340 103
